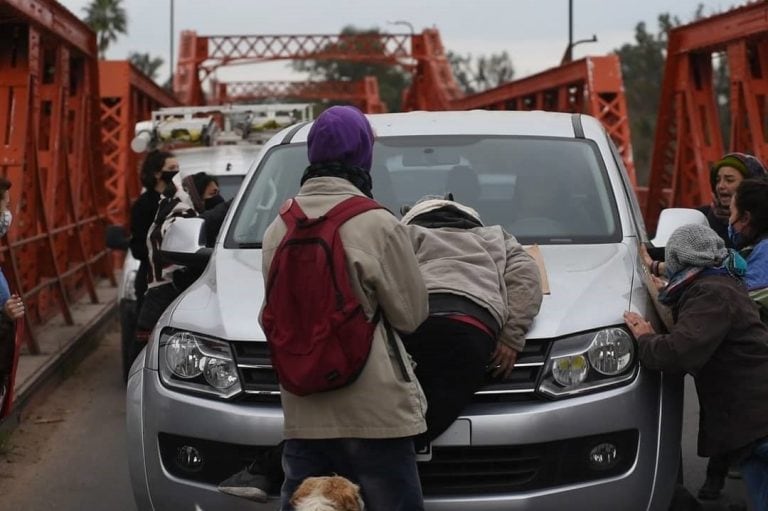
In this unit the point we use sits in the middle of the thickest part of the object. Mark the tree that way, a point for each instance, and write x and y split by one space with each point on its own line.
481 73
146 64
392 79
642 68
108 19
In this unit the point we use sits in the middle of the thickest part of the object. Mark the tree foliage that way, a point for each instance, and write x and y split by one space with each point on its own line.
642 67
392 79
108 19
481 73
146 63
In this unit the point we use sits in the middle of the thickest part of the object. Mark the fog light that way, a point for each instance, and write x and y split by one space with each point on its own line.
189 458
603 456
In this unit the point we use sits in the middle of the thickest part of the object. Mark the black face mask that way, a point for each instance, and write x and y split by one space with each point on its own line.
167 176
212 202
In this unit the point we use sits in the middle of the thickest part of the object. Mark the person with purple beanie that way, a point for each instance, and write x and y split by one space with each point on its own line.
364 430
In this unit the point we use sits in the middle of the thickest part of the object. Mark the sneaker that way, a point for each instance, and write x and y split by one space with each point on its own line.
246 485
711 488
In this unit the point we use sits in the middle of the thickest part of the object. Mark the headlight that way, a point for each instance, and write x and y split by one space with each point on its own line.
611 352
588 362
198 363
570 371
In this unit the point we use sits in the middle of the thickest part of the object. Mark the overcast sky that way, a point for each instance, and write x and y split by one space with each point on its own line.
533 32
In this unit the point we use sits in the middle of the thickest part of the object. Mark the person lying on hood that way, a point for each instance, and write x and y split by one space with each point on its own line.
484 292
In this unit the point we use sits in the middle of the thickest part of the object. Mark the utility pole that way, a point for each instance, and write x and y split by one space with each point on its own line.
568 52
171 59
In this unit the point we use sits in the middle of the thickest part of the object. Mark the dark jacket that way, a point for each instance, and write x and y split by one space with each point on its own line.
143 214
719 339
718 225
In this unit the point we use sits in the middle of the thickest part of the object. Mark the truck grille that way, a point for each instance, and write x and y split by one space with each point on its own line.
260 381
475 470
509 469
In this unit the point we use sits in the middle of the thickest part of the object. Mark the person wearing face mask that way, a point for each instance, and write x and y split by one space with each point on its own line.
12 305
215 208
745 228
719 339
157 171
748 230
182 198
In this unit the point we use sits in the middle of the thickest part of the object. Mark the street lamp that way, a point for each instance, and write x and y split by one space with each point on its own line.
568 55
403 22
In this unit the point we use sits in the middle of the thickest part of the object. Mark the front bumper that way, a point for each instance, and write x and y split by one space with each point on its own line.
649 408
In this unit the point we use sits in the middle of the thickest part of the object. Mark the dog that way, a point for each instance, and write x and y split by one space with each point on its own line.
328 493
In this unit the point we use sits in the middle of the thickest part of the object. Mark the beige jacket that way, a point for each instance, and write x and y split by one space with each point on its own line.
386 400
487 266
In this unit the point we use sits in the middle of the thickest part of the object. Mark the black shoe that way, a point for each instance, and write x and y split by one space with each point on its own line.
711 488
247 485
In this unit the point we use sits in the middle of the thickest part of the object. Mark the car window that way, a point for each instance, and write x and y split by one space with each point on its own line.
229 185
542 190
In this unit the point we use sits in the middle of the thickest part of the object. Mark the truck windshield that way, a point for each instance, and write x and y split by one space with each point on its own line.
541 190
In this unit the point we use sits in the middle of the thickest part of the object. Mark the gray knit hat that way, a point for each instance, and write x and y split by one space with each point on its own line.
694 245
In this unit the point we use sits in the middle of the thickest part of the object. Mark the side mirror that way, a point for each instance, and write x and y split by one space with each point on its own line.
184 243
116 237
672 218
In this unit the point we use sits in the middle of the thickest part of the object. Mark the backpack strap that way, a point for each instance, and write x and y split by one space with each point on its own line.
292 214
351 207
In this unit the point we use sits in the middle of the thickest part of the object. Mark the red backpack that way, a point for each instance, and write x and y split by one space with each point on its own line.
318 335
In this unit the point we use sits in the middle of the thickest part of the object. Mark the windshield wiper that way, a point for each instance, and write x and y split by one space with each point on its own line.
254 244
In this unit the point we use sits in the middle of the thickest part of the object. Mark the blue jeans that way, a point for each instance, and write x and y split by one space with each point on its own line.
385 469
754 471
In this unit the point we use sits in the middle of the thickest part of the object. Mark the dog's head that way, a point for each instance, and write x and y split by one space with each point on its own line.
330 493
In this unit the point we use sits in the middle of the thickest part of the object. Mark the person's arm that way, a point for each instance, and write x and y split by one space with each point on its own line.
703 323
399 287
523 287
523 283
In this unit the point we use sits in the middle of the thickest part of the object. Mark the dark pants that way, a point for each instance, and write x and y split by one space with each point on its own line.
385 469
717 466
451 361
754 470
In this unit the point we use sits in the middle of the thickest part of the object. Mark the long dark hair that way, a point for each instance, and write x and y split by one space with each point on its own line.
153 163
752 197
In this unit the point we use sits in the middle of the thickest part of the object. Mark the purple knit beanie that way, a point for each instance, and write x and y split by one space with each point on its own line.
341 134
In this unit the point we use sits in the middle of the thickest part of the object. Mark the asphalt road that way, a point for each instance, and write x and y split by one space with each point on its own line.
69 453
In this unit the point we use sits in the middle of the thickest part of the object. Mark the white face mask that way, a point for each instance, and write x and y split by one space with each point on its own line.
5 222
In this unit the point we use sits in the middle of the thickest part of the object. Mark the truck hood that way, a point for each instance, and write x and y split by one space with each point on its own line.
590 287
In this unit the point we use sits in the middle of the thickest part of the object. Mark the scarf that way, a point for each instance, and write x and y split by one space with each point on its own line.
733 265
355 175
